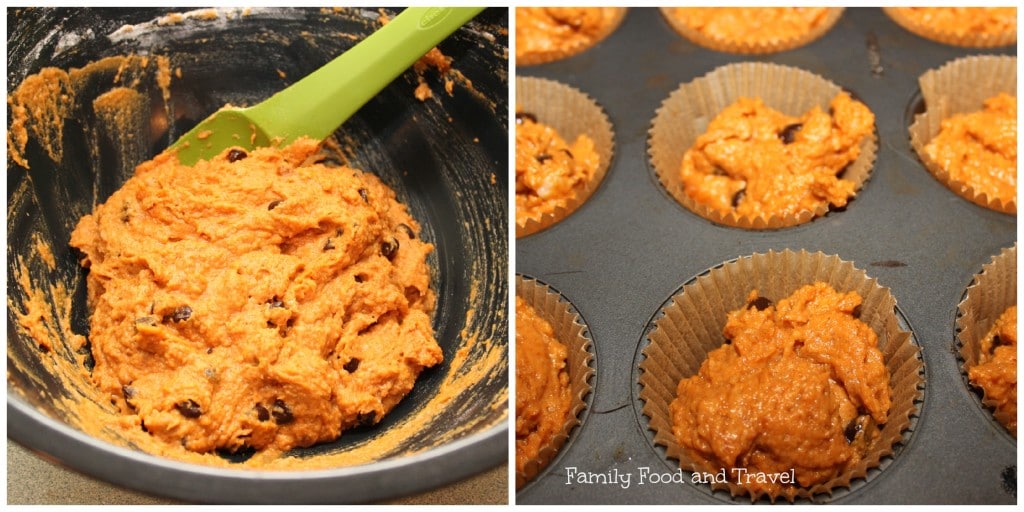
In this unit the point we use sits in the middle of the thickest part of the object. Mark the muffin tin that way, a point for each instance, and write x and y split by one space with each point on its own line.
631 246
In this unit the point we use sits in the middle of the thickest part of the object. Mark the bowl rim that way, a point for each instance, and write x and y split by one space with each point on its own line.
151 474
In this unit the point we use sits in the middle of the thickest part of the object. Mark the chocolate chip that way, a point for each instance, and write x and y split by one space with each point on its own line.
852 429
352 365
275 302
738 196
788 134
181 314
996 341
128 392
143 425
328 245
359 278
760 303
408 231
281 412
262 413
189 408
365 195
366 419
389 247
857 311
273 204
566 151
543 157
236 154
521 116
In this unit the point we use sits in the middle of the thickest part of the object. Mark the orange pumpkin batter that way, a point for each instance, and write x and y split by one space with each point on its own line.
257 301
980 148
799 388
549 171
996 371
542 384
759 162
963 21
546 30
752 25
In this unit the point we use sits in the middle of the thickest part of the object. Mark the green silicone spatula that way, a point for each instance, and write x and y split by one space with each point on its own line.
316 105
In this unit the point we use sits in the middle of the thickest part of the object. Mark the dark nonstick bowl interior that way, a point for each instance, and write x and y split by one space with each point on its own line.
446 157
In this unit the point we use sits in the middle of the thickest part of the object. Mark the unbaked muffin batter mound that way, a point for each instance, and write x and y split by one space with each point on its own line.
542 384
980 148
996 371
799 388
758 162
559 30
752 25
550 172
963 20
257 301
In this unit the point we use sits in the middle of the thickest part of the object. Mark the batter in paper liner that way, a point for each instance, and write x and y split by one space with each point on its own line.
752 25
550 172
996 371
256 301
980 148
561 30
963 21
799 388
758 162
542 384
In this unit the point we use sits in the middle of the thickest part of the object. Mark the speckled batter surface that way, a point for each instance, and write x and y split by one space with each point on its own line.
259 301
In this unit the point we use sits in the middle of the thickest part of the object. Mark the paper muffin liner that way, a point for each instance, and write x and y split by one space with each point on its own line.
991 292
691 324
571 113
926 31
961 87
762 47
613 18
686 113
569 329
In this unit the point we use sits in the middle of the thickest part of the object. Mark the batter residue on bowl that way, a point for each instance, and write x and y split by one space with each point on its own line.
256 301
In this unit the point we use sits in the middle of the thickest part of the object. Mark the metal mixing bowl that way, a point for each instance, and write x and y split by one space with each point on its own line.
446 157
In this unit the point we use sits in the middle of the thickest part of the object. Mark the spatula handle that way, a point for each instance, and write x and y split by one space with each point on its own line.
316 105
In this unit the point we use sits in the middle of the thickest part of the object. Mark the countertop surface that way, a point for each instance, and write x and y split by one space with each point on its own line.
32 480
